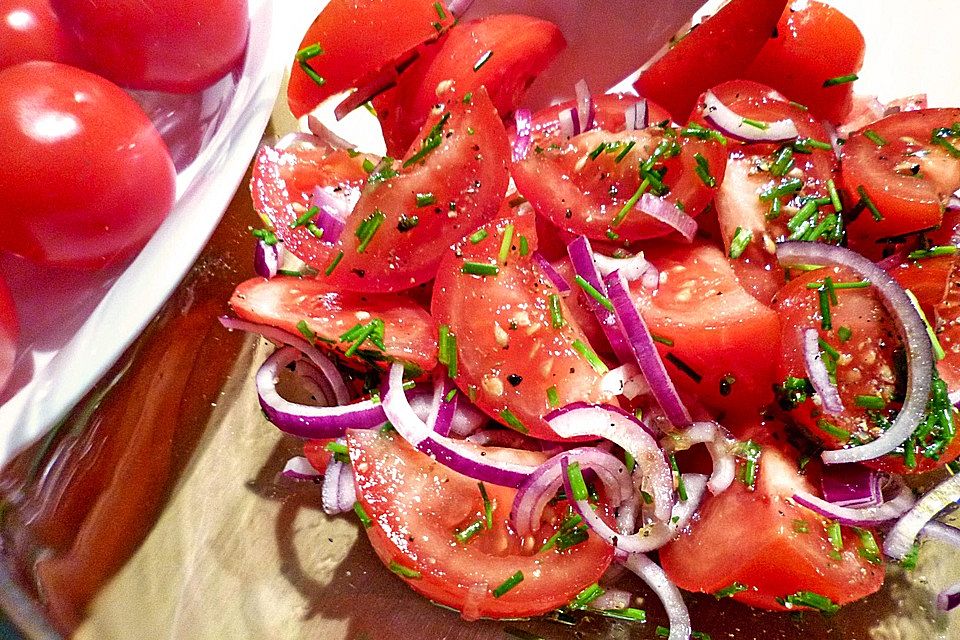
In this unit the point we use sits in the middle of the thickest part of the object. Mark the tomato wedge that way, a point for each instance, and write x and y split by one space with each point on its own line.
452 181
513 361
348 45
9 334
289 303
759 547
719 49
812 44
723 345
903 168
504 53
609 115
417 506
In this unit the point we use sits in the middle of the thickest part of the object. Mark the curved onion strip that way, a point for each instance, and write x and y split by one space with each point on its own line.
625 380
524 138
636 116
569 122
612 599
645 353
458 7
632 268
323 363
720 447
332 215
851 485
299 468
911 327
585 109
470 460
613 424
819 376
542 485
266 259
860 517
725 119
339 491
655 577
552 274
903 534
664 211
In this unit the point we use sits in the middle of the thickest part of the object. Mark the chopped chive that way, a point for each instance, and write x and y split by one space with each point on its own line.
826 319
874 403
487 506
447 347
552 397
577 484
368 228
303 58
939 138
369 331
337 448
806 145
468 97
506 243
628 614
741 240
727 592
368 165
844 333
684 367
828 349
450 395
869 549
403 571
909 561
467 533
801 526
932 252
585 597
783 162
811 600
362 515
440 12
662 631
590 356
703 170
868 203
305 217
800 106
874 137
775 209
681 486
839 286
832 429
480 269
572 538
556 313
662 340
749 452
623 152
569 523
524 246
938 352
433 139
756 124
478 236
513 421
508 584
631 203
834 195
803 214
835 536
482 60
425 199
306 331
290 272
593 293
600 148
832 82
268 237
785 188
694 130
612 235
333 265
814 234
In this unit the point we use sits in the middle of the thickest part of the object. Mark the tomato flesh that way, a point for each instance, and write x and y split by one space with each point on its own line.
9 334
417 505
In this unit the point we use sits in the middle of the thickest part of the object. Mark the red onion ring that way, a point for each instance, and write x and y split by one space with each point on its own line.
949 598
655 577
299 468
851 485
569 122
644 352
458 7
864 516
911 327
901 537
339 491
625 380
664 211
733 124
819 376
552 274
585 107
633 268
636 116
719 445
332 215
612 599
524 137
266 259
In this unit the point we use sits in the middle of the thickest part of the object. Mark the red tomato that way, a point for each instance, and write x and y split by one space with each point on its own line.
764 541
504 53
866 366
813 43
177 46
581 184
317 454
30 30
54 119
452 181
409 335
729 342
509 352
715 51
417 505
9 334
906 176
357 45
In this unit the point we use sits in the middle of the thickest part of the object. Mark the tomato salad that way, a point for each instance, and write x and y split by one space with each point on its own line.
714 318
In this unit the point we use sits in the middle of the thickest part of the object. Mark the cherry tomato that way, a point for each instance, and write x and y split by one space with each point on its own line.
504 53
409 335
417 506
358 45
719 49
30 30
722 345
9 334
813 43
178 46
512 358
865 342
85 177
759 539
907 164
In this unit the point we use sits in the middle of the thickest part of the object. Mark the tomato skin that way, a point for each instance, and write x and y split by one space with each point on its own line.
417 505
177 46
480 311
356 46
749 536
283 302
523 47
30 30
717 328
906 202
317 454
54 118
466 175
717 50
9 334
811 44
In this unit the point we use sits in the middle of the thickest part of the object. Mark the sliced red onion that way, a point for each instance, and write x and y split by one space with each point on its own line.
384 79
552 274
636 116
582 259
307 421
612 599
326 134
912 329
949 598
569 122
719 445
314 382
326 366
906 103
655 577
861 517
623 429
736 125
903 534
669 214
851 485
542 485
266 259
467 419
524 138
458 7
299 468
818 374
441 413
332 215
633 268
339 491
625 380
585 107
504 438
936 530
645 352
463 457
